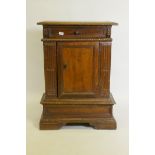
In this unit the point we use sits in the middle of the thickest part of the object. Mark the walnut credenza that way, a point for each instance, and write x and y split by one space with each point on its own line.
77 60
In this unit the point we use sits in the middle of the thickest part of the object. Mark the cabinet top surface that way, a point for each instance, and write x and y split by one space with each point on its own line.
76 23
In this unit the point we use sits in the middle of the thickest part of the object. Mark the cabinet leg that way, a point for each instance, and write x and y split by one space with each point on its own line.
46 124
106 124
50 126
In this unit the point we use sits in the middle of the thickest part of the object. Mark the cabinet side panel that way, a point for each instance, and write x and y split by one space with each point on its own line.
105 64
50 69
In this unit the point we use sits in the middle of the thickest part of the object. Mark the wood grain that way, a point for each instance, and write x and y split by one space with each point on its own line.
105 59
80 76
77 63
50 69
64 23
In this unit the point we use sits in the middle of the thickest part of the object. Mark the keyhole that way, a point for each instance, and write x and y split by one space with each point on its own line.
65 66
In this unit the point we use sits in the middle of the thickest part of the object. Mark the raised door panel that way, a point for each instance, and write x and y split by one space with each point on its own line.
78 69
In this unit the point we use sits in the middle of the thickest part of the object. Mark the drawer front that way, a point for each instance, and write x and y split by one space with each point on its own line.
76 32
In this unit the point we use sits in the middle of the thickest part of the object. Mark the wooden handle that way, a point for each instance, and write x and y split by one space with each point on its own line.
65 66
76 32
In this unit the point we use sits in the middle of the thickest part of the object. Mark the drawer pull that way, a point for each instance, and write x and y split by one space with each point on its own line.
65 66
76 32
61 33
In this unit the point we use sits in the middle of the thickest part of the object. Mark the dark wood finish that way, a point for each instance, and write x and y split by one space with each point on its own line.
78 69
97 112
75 31
64 23
77 60
76 39
50 69
105 63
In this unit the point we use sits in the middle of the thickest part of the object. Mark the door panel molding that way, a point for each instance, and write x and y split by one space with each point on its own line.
67 82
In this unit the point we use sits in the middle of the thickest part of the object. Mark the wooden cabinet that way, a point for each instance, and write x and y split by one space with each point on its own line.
77 60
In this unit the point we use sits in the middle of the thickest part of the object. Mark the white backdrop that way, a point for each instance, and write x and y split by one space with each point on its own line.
77 140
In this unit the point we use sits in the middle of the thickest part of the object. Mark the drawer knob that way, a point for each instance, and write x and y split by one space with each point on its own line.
61 33
65 66
76 32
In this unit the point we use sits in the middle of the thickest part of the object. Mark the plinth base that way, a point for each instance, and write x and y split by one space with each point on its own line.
97 112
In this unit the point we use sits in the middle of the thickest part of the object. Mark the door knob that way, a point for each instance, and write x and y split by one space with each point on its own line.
65 66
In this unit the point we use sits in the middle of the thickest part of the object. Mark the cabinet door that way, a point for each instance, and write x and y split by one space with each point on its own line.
78 69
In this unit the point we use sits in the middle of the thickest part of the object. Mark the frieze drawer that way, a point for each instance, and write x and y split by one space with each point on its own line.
77 32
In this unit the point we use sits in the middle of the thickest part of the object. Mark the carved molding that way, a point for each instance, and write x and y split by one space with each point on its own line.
50 68
77 39
108 31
